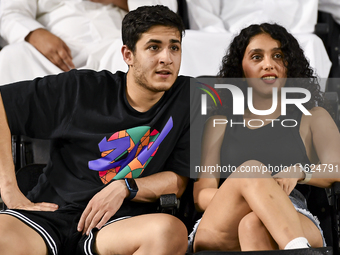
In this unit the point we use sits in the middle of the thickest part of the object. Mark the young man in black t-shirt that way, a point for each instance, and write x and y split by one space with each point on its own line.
119 141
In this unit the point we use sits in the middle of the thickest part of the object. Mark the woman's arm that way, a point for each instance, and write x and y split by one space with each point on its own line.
207 184
326 142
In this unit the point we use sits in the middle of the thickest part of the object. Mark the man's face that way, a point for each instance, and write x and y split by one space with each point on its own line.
157 58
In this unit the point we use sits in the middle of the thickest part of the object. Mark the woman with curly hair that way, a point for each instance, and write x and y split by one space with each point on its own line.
263 210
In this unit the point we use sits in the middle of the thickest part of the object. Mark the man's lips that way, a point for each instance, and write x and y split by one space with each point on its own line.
164 73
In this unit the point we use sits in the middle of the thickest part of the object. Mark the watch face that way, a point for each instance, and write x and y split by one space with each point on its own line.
132 184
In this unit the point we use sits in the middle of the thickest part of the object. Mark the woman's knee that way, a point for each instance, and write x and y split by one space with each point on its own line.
250 174
253 169
250 225
253 235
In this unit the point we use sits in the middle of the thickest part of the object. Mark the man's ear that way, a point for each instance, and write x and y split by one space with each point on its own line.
127 55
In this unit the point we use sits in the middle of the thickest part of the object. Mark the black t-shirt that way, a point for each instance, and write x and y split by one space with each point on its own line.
96 135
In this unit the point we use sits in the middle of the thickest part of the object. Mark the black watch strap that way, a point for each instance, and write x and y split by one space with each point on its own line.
132 187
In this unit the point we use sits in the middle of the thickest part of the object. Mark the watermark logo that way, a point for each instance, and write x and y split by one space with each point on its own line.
238 99
204 97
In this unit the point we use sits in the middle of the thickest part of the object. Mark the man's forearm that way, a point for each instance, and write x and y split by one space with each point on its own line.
150 188
7 174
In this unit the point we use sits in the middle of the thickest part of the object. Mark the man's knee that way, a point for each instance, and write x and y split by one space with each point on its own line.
161 234
168 231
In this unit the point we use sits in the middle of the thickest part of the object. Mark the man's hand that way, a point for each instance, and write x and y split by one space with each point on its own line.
14 199
52 47
119 3
103 206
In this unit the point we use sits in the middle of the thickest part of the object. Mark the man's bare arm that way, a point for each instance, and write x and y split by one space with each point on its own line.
10 192
107 202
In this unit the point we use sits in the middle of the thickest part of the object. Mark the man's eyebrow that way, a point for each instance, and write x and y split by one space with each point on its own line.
153 41
159 41
175 41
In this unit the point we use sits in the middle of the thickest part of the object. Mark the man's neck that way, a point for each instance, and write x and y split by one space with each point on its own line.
140 98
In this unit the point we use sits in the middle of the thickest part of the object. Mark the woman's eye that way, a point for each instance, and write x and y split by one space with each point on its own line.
256 57
278 55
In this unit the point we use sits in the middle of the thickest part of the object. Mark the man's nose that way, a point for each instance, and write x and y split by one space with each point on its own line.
165 57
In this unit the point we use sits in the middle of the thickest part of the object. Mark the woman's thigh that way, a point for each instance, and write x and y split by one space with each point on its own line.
311 231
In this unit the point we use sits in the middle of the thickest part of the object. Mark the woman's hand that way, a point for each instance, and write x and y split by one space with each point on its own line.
288 178
287 184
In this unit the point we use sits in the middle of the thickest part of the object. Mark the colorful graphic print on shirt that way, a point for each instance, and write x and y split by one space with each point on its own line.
126 153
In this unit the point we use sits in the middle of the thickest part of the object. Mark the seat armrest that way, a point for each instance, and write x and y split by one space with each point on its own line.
336 188
168 203
335 205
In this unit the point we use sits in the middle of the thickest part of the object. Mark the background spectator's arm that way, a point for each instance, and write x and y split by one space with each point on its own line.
18 19
119 3
205 15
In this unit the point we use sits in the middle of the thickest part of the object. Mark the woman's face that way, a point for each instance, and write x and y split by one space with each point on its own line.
263 64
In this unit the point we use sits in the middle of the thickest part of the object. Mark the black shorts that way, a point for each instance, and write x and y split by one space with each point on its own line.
59 230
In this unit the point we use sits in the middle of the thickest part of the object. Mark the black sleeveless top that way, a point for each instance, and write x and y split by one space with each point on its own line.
275 144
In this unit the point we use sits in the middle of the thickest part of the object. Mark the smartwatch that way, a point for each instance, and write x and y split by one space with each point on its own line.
308 175
132 187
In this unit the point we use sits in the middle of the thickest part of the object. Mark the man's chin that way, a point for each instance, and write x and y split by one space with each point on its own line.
161 88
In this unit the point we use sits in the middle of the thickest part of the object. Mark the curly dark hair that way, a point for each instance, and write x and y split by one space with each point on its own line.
293 58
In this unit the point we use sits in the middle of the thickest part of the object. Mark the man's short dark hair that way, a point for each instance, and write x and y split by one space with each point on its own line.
139 21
